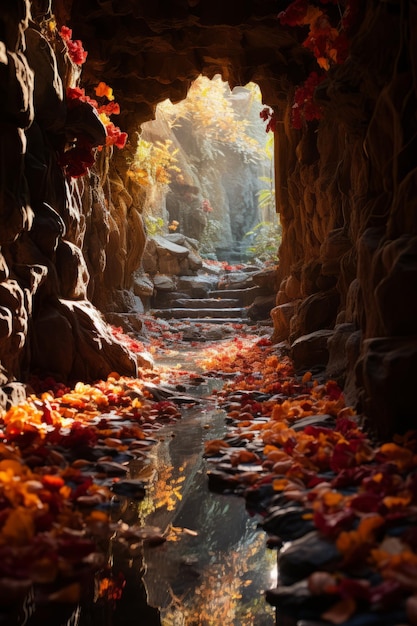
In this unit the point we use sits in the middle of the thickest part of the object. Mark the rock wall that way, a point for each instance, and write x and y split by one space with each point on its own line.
347 191
48 324
346 186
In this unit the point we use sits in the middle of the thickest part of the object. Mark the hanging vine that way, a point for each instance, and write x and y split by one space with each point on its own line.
328 40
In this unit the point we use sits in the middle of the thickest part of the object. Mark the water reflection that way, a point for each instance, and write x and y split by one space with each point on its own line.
214 567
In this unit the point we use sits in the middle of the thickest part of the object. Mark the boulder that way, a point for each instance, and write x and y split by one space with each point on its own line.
281 317
164 283
301 557
261 307
316 312
311 351
142 285
387 370
166 247
267 279
197 286
338 356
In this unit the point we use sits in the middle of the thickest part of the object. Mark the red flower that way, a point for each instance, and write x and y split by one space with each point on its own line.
76 95
304 108
268 115
111 108
75 49
294 14
77 160
115 137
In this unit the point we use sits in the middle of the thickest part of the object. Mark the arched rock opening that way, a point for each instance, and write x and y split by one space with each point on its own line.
346 186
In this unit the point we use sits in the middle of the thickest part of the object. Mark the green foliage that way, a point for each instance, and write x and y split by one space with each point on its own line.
154 163
266 197
269 146
154 225
265 241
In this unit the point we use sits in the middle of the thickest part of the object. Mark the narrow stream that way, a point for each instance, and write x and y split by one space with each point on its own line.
214 566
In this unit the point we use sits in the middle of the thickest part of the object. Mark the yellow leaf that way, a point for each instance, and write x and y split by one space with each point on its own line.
19 528
104 118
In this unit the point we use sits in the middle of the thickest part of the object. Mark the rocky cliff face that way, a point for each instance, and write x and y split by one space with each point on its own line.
346 185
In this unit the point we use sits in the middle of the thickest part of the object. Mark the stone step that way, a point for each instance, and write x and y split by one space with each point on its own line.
206 303
244 296
198 314
216 320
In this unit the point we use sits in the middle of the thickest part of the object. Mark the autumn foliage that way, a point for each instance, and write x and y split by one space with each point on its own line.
325 28
297 436
78 155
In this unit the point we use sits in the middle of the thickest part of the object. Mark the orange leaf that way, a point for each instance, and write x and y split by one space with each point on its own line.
396 501
243 456
104 90
341 611
19 528
332 498
313 13
307 377
279 484
214 446
367 525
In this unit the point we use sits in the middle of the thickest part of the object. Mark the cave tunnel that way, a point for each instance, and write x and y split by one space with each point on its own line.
338 79
344 116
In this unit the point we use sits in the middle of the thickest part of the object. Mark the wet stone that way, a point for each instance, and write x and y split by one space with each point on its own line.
288 523
314 420
297 600
131 488
301 557
219 482
259 498
111 469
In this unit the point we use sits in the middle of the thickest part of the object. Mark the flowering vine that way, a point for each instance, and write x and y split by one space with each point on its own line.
327 41
75 49
79 156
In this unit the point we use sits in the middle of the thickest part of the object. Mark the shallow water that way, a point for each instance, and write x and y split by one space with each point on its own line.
214 566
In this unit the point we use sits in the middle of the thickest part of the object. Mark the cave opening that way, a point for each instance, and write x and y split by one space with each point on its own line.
208 168
205 167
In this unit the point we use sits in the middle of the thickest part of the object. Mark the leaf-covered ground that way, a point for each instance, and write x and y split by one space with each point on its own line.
340 507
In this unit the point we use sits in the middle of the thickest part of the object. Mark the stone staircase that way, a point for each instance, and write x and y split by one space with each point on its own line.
220 304
204 310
